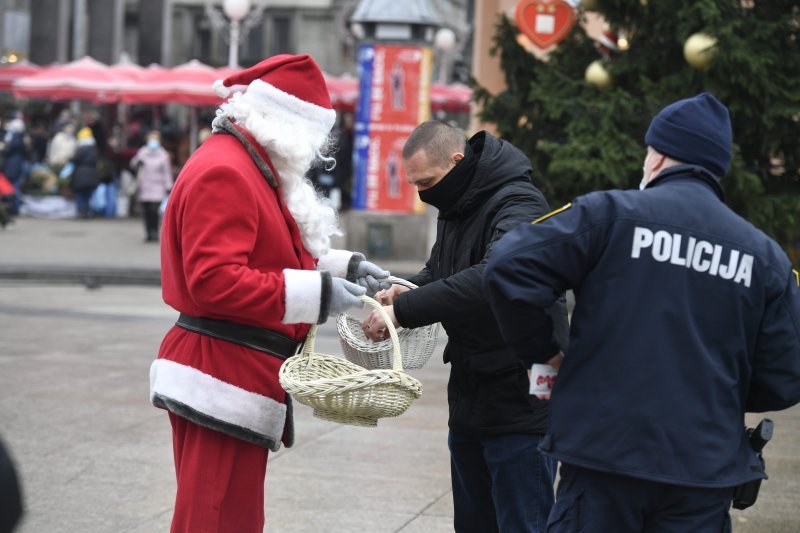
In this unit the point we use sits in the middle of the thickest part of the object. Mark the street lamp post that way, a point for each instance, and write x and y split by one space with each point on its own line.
236 11
444 41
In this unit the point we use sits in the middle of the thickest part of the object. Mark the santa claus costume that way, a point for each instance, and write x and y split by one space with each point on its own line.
246 260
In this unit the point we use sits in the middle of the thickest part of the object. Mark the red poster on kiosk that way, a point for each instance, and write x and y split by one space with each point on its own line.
399 101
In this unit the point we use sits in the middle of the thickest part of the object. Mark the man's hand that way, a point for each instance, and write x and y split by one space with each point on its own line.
387 297
375 327
556 360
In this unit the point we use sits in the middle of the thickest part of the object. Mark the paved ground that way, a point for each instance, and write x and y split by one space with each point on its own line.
94 456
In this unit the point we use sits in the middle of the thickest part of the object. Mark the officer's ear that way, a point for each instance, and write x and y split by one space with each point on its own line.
657 162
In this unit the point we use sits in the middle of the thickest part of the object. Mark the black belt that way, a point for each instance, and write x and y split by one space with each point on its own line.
253 337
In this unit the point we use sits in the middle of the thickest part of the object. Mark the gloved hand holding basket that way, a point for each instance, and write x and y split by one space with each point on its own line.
416 344
343 392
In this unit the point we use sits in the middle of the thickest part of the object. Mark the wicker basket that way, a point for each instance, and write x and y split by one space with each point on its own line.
343 392
416 344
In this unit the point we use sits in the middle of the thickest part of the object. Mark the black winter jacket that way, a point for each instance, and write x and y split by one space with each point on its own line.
85 176
488 388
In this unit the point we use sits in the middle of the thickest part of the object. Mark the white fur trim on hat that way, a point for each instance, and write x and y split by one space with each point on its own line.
220 89
217 399
291 109
303 296
336 262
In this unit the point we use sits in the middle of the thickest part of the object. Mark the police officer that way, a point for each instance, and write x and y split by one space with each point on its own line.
686 317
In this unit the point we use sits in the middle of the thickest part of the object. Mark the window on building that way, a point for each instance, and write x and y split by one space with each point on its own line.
281 39
252 50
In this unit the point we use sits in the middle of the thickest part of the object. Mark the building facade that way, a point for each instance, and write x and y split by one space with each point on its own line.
171 32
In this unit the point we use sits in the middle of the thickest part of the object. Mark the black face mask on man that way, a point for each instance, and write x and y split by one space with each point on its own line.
446 193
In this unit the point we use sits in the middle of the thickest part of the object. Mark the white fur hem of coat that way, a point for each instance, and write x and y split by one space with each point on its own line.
213 403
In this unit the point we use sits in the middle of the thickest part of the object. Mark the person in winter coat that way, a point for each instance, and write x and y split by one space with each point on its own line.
62 147
246 260
11 509
15 160
686 317
154 176
85 178
482 189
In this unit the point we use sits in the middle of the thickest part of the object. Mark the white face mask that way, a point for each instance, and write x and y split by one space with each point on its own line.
643 183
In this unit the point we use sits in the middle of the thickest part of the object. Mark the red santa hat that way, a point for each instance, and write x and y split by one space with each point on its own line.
290 86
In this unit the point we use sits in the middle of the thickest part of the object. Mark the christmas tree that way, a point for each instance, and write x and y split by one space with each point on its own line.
584 135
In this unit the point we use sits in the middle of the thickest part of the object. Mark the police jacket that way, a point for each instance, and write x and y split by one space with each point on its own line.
686 316
488 387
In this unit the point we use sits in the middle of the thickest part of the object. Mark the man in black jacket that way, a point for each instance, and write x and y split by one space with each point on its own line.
482 189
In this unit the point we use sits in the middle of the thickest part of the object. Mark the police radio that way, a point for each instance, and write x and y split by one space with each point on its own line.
746 494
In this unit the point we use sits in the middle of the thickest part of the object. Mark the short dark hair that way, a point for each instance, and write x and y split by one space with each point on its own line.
438 139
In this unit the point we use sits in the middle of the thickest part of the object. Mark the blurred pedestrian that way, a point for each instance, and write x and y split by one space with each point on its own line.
85 178
154 181
10 493
62 147
15 160
343 171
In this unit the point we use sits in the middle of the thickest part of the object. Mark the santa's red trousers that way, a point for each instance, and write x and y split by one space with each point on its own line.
220 481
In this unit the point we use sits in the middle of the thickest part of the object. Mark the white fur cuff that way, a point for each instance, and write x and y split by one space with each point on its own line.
335 262
303 292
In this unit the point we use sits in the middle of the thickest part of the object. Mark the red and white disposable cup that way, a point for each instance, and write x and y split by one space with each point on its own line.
543 377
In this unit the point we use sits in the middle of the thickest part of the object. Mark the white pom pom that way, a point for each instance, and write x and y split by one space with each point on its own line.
221 90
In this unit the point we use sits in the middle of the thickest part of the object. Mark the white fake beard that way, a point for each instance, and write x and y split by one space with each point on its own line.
292 149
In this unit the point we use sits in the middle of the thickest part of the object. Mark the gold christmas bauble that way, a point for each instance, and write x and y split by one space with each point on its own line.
589 5
597 75
699 50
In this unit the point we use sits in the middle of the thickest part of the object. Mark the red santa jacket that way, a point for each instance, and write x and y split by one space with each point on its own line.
227 239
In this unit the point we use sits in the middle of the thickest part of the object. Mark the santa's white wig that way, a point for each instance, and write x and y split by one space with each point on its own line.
293 144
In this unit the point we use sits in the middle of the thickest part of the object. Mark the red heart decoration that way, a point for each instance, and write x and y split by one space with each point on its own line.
545 22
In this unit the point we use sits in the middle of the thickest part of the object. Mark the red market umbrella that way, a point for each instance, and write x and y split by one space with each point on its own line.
10 72
189 83
127 68
455 97
83 79
344 95
343 91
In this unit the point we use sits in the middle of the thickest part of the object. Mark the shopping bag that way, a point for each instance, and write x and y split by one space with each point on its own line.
6 188
66 171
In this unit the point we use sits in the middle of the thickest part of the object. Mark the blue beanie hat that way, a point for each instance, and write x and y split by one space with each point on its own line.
695 131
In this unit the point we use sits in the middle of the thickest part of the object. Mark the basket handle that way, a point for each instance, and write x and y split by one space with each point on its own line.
400 281
397 358
308 344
